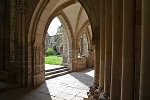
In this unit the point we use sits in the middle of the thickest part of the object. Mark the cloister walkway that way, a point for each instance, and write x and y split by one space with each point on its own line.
72 86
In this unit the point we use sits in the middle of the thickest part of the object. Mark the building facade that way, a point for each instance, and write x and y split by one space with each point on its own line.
56 41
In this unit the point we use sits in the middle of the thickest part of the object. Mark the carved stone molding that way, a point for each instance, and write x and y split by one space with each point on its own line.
21 9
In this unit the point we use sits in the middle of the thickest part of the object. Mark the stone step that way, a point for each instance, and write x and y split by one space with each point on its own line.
7 76
57 74
56 71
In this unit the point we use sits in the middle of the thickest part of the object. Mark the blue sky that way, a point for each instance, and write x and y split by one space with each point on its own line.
53 26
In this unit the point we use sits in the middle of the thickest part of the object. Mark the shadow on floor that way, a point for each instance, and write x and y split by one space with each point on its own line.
27 93
85 76
73 86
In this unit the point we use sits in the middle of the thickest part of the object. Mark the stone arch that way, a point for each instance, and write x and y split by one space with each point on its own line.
46 18
38 27
41 8
89 37
94 20
36 17
39 34
83 28
64 20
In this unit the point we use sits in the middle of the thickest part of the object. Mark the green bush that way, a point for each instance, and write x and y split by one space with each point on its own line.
50 51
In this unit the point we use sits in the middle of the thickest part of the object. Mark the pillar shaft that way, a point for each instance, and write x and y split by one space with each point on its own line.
2 28
96 67
116 44
108 46
127 83
145 56
97 58
137 48
102 43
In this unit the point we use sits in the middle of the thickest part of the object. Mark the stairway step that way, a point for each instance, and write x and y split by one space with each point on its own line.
56 71
57 74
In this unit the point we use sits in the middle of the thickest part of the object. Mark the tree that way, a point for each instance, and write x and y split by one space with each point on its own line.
50 51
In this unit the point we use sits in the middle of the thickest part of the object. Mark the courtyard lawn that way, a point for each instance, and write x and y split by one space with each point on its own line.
54 60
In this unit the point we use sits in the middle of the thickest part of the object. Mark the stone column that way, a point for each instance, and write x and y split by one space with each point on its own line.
108 46
2 13
116 44
93 87
96 66
65 49
127 82
100 53
102 44
12 67
38 65
6 37
145 56
137 49
97 70
97 58
96 45
22 42
90 61
74 59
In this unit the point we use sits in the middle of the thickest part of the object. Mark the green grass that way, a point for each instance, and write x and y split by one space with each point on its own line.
54 60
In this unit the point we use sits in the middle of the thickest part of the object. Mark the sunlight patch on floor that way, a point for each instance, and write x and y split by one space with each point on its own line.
91 73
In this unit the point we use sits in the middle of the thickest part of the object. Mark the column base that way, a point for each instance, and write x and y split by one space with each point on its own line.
91 91
104 96
96 94
99 95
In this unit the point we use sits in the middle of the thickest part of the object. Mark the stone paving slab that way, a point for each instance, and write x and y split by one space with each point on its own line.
72 86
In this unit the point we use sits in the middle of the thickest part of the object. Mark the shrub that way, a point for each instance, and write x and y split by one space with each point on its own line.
50 51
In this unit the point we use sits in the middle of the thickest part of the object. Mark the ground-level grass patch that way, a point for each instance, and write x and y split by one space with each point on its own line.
54 60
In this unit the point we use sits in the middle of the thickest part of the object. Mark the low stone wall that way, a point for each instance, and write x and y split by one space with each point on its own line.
80 64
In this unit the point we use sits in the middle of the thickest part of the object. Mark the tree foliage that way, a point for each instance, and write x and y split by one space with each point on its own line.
50 51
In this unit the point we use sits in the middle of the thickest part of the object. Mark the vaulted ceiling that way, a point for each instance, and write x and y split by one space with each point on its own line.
71 14
74 13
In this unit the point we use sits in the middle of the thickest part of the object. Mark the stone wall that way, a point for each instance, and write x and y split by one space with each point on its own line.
90 59
84 45
65 51
80 64
39 67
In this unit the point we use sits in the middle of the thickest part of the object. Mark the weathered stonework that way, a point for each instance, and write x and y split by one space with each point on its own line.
80 63
90 59
84 45
38 68
26 22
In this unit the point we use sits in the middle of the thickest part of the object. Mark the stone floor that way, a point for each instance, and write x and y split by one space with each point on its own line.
72 86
